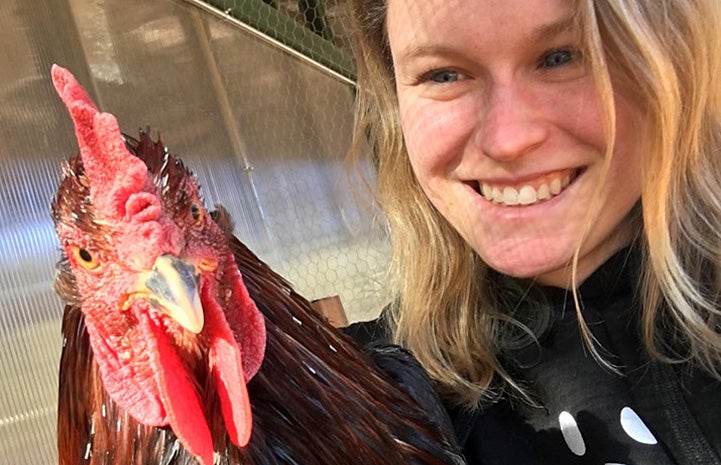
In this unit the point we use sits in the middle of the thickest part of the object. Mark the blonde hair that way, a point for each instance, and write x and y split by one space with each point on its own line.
669 51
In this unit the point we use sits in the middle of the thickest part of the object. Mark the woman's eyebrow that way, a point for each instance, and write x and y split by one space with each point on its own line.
560 26
420 50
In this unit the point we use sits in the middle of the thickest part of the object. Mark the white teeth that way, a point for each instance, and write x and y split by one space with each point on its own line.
510 196
526 195
555 186
487 191
543 192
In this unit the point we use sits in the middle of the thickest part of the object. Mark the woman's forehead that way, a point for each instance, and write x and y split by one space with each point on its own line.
431 26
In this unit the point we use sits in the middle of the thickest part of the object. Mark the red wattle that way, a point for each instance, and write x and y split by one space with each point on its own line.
226 362
123 371
180 399
245 320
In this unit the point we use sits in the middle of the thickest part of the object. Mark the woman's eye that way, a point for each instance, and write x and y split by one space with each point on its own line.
443 76
557 58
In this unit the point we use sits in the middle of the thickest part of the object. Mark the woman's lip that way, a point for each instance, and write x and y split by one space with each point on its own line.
532 179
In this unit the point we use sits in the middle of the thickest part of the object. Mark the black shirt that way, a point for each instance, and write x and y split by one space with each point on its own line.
644 413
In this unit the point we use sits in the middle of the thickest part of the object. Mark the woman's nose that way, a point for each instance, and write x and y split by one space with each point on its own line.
510 124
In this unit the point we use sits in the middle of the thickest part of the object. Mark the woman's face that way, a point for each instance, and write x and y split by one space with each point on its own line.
504 131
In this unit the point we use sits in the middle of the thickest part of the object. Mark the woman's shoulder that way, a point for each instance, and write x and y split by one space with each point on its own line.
370 332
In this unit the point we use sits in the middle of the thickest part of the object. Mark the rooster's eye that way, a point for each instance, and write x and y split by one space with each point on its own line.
196 211
85 258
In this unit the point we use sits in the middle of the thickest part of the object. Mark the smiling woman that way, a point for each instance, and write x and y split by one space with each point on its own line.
549 171
520 115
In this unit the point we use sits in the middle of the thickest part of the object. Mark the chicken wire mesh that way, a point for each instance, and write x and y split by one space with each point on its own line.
317 29
237 92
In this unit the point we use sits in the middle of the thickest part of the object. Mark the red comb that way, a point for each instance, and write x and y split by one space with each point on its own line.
115 174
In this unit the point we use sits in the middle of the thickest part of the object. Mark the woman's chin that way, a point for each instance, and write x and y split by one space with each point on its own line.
547 263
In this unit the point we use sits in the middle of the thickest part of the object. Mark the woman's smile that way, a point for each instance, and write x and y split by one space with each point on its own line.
527 192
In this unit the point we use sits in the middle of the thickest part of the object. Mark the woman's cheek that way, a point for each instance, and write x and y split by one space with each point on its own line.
436 132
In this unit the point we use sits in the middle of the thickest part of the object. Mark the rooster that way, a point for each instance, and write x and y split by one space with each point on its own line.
182 347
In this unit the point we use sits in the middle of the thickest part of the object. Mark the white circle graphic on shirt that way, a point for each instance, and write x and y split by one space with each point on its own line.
571 433
635 427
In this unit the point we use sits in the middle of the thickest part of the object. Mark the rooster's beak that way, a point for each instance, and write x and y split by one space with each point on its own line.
172 286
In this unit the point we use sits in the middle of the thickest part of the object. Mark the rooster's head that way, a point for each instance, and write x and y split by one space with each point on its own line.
165 308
